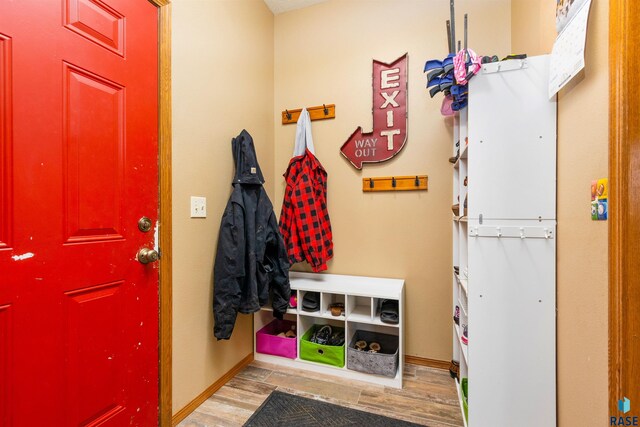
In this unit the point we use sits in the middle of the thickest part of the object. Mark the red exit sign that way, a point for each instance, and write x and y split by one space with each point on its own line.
390 117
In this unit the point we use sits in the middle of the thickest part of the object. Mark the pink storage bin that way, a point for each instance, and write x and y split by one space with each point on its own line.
267 341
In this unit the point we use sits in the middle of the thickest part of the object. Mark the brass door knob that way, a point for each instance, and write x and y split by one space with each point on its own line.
146 255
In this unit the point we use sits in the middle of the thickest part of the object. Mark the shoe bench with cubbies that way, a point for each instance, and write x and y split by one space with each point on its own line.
362 298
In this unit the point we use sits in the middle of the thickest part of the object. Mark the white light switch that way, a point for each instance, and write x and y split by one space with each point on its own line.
198 207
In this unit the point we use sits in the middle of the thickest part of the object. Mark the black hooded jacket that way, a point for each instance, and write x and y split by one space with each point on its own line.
251 257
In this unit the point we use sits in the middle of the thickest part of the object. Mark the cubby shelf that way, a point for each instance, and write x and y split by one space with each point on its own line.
361 297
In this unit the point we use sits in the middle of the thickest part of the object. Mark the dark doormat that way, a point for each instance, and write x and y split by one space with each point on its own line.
287 410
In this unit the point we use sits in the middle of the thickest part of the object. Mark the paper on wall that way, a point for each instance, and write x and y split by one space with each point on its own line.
567 56
565 10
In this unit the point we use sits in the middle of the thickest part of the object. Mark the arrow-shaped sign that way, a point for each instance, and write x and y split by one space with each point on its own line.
390 117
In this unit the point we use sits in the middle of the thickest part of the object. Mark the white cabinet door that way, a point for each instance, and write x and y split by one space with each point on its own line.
512 324
512 142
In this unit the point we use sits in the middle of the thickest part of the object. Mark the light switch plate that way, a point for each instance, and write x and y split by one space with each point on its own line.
198 207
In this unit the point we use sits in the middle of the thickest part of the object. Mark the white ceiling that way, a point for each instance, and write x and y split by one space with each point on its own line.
281 6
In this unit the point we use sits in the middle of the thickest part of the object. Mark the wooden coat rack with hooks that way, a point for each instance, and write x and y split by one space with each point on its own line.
395 183
322 112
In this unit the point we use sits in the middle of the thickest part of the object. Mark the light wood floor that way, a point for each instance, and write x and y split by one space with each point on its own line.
428 398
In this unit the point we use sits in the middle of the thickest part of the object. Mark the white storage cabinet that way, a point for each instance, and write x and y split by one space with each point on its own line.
505 246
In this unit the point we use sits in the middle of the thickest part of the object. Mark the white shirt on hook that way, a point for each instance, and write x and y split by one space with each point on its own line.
304 139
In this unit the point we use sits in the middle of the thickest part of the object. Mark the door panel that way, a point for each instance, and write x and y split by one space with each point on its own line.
95 354
94 142
5 141
115 416
97 22
83 145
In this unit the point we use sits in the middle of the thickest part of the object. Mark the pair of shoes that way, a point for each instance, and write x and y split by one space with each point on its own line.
362 345
389 311
291 333
440 84
460 90
515 56
460 94
337 309
437 67
322 335
456 209
456 315
326 336
459 105
454 368
311 301
336 339
440 75
293 301
455 159
465 336
490 59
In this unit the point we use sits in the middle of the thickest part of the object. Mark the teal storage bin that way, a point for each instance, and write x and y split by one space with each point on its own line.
327 354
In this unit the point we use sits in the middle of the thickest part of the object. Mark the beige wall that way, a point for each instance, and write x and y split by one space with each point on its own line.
231 57
323 54
582 243
532 26
222 82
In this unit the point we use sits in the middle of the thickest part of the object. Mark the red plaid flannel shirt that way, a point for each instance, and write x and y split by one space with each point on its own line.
304 221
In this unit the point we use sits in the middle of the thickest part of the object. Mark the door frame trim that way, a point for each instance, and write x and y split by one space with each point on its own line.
165 214
624 138
616 112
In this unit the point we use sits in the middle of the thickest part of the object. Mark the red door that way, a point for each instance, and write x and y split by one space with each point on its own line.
78 169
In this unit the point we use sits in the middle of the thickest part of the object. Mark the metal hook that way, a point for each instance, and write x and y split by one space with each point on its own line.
370 182
288 114
326 110
522 236
393 181
417 181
